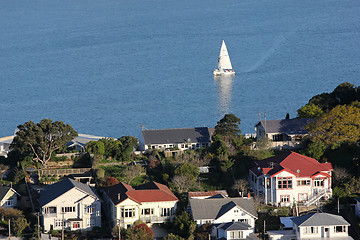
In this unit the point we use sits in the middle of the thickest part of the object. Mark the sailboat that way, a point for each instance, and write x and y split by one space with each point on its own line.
224 64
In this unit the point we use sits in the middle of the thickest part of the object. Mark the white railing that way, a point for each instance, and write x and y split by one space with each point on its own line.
153 219
318 193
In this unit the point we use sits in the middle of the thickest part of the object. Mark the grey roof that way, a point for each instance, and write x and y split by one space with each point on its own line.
55 190
234 226
288 126
319 219
176 135
83 139
213 208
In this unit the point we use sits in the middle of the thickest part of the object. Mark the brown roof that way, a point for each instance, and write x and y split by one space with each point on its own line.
206 194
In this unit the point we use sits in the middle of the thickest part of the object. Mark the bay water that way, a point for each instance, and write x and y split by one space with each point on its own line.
112 67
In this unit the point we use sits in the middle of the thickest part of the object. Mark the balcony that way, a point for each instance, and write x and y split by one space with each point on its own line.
154 219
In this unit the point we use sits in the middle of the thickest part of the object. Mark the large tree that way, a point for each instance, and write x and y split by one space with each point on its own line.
228 126
340 125
42 139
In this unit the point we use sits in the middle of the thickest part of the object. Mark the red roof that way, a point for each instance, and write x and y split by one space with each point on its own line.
148 192
300 165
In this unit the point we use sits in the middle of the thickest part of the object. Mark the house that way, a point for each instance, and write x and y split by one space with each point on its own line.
290 178
8 197
69 202
5 145
232 218
79 142
314 226
180 138
283 133
151 203
357 207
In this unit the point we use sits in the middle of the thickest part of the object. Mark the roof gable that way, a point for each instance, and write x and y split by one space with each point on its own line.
176 135
4 191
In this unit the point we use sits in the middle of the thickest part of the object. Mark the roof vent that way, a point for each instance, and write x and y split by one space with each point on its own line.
119 196
298 171
188 140
259 169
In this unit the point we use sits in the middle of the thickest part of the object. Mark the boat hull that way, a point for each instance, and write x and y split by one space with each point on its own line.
226 72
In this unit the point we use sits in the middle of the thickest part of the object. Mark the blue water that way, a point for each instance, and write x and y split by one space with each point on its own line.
109 67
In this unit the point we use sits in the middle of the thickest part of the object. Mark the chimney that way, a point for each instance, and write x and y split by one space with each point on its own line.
118 196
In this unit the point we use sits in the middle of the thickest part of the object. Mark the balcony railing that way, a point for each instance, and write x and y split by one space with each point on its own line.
153 219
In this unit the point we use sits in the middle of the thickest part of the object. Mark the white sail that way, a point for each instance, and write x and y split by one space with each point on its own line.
224 59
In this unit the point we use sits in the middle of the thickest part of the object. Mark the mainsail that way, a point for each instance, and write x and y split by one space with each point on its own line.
224 59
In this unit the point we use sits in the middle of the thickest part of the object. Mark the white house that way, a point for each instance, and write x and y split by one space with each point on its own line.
68 202
180 138
290 177
151 202
232 218
283 133
8 197
315 226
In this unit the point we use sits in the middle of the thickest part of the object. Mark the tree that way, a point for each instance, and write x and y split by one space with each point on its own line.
95 147
228 126
139 231
172 236
184 226
340 125
187 169
310 111
341 176
241 185
315 150
42 139
132 172
182 183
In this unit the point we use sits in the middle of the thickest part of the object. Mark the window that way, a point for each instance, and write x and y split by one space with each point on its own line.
303 182
128 212
311 230
8 202
284 182
278 138
90 209
285 198
147 211
236 234
340 229
303 196
318 182
90 222
50 210
58 223
197 145
68 209
236 211
166 212
76 225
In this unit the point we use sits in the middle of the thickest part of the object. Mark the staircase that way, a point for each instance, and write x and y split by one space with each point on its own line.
317 196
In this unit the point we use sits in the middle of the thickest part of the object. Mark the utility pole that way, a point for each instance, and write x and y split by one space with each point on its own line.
9 228
62 229
38 228
264 229
119 231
